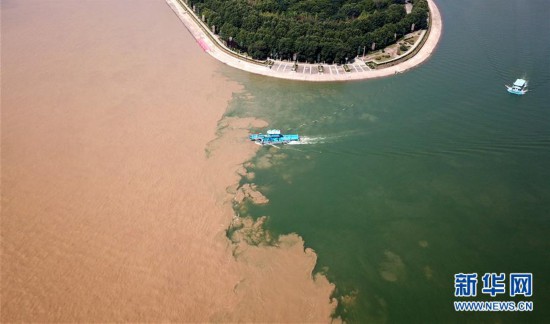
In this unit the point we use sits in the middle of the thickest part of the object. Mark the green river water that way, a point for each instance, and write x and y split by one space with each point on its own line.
408 180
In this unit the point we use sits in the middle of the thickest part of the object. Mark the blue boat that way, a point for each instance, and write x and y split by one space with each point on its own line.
274 136
519 88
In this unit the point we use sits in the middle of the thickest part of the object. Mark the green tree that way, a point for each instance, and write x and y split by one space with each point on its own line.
327 29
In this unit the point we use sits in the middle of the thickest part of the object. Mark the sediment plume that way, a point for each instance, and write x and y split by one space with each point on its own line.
250 192
114 185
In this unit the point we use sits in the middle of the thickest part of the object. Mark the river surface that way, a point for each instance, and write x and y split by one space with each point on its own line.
408 180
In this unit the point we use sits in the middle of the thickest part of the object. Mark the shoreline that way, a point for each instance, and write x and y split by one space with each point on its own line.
206 43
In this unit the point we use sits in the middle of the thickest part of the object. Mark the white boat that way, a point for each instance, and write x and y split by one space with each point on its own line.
518 88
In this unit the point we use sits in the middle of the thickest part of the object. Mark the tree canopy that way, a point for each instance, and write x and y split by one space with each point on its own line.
314 30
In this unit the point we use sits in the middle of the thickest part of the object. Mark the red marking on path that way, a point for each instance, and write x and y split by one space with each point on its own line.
203 45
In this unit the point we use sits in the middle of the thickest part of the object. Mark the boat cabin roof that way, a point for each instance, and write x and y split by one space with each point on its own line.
520 82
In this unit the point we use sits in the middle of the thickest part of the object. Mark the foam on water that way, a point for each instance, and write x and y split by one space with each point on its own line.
309 140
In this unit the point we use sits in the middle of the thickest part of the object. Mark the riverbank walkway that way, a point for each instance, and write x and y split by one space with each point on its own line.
355 70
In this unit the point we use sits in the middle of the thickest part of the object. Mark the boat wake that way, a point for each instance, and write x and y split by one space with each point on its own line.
309 140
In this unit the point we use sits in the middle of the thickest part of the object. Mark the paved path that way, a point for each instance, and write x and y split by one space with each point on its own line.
307 72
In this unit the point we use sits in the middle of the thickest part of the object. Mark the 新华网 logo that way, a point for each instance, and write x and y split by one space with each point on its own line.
493 284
